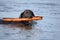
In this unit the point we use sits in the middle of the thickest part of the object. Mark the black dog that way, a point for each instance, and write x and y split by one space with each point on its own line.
27 14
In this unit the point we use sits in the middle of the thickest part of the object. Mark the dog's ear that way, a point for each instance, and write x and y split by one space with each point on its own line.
21 15
32 14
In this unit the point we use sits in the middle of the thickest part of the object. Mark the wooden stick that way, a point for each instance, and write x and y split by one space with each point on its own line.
21 19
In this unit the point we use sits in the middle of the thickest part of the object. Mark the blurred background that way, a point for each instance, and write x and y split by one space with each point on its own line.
46 29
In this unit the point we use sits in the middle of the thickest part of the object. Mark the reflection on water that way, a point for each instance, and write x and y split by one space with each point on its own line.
11 32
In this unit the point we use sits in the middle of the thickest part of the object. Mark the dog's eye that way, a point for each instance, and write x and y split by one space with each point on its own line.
27 12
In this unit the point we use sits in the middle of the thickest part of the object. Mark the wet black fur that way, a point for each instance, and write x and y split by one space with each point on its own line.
27 14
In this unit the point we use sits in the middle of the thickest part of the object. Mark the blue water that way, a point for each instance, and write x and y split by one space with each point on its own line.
46 29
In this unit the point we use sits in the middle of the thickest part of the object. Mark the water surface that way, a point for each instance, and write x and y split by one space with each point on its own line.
46 29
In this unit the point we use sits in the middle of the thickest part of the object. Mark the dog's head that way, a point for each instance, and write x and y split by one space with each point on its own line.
27 14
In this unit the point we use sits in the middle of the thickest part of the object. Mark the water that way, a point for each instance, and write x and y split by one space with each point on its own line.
46 29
